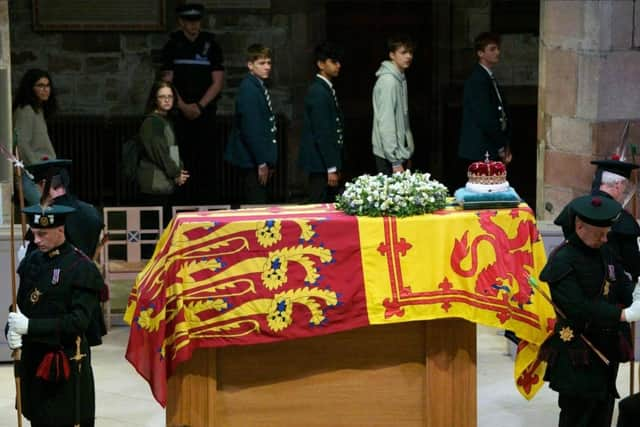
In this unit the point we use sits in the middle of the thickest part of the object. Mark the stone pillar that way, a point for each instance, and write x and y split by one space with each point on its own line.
5 111
5 173
588 90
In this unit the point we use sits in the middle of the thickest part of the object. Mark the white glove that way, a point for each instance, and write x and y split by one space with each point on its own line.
636 293
18 322
22 251
14 339
632 313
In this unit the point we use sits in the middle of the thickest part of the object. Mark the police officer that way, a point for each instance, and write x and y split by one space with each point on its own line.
588 289
57 298
83 226
192 61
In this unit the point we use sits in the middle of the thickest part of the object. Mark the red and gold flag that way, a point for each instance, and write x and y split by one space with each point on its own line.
235 278
264 275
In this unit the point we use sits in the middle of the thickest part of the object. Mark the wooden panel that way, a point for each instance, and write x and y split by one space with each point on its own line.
412 374
451 389
191 392
367 377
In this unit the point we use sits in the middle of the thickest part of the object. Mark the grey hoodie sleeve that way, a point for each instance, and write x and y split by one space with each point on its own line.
384 101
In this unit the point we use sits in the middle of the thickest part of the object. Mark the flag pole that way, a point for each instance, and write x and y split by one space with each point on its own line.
560 313
17 353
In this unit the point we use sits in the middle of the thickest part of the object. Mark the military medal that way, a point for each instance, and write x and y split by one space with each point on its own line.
566 334
607 288
35 296
55 278
611 270
53 253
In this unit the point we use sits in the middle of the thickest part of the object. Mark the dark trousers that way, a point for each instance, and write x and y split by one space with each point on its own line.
200 153
254 193
581 412
82 424
629 411
164 200
384 166
319 191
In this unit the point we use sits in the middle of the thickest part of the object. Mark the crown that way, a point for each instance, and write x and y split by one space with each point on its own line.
487 172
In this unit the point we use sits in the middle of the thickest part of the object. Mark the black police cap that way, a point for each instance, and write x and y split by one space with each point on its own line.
47 216
48 168
190 11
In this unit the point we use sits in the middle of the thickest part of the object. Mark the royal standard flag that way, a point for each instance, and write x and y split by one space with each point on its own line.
269 274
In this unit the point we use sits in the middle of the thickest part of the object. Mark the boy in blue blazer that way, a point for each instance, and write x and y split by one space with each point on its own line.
322 134
253 145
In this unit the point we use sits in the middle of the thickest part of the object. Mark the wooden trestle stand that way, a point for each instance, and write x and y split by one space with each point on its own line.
404 374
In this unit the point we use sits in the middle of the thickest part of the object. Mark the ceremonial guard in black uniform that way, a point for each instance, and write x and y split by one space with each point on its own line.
612 179
83 226
589 291
57 298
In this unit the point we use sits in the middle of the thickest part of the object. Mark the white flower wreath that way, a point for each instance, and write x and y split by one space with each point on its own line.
401 194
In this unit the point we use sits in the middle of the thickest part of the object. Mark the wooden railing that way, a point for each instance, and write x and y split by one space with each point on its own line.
94 144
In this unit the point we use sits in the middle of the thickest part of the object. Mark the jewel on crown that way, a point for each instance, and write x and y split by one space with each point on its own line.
487 172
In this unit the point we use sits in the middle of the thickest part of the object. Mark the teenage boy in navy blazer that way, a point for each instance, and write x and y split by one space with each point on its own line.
322 134
486 125
253 145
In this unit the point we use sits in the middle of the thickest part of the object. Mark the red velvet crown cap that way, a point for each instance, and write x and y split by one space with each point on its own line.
487 172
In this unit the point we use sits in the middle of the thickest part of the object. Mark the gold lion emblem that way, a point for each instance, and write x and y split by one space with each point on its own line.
566 334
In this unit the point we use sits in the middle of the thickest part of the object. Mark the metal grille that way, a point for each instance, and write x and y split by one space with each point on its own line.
94 144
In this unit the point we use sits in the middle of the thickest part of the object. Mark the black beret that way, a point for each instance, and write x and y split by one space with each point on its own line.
596 210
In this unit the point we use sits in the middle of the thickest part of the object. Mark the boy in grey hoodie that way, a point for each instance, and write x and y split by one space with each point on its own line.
391 136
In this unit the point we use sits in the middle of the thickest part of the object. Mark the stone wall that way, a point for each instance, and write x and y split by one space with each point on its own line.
5 113
111 72
518 67
588 91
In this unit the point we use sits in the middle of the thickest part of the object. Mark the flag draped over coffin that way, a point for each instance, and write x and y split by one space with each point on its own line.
270 274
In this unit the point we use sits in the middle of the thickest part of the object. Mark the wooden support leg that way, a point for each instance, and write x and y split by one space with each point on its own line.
451 382
191 392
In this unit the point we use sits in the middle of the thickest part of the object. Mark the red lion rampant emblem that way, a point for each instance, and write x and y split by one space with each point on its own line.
508 272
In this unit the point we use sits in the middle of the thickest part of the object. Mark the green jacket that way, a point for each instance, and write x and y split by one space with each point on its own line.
322 133
590 290
59 293
158 168
253 137
82 228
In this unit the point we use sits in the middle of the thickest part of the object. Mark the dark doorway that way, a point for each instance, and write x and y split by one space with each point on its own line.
362 29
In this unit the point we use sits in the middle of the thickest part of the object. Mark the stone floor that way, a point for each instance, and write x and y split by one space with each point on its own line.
124 399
